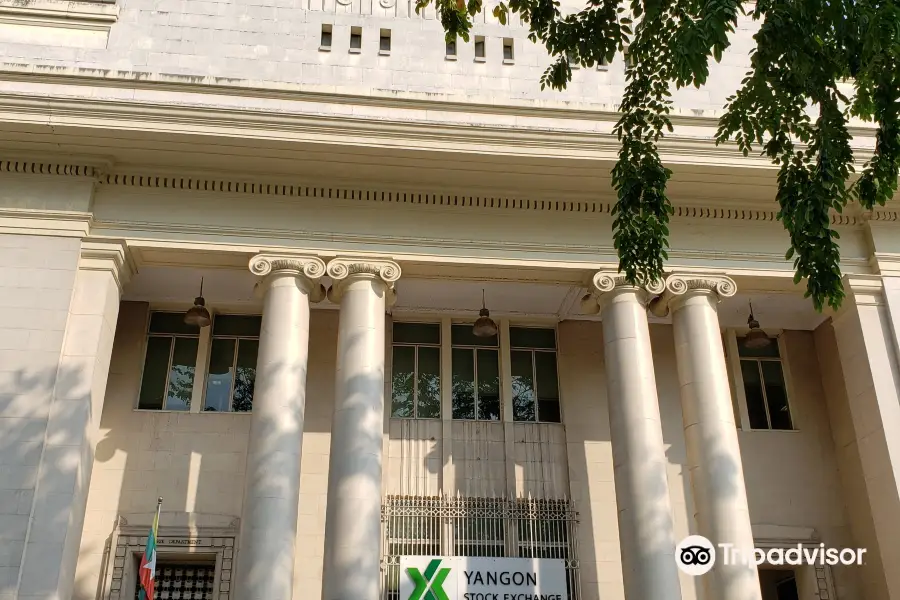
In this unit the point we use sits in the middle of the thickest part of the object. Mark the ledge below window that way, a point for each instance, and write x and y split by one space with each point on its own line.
76 24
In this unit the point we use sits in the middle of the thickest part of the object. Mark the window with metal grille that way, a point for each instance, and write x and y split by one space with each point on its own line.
175 580
492 527
764 387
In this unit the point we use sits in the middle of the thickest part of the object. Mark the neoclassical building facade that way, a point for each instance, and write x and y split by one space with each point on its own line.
339 292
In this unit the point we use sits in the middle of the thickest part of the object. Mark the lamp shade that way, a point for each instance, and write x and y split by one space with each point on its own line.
198 314
484 326
756 337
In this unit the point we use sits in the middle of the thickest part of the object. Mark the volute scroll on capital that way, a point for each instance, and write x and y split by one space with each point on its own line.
342 269
681 284
311 268
605 282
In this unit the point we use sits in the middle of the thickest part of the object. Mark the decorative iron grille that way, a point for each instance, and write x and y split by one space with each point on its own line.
493 527
191 581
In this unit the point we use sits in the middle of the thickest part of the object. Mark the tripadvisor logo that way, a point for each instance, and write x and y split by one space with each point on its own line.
430 584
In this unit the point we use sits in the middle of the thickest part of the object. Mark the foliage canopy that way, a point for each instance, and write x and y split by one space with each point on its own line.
789 106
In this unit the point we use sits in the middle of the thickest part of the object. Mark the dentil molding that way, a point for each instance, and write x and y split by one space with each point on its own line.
201 183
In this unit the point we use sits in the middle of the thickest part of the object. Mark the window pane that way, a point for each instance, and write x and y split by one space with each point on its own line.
488 385
547 386
462 335
417 333
522 385
532 337
181 377
402 381
237 325
753 391
776 395
245 377
429 384
164 322
770 351
156 366
220 375
463 384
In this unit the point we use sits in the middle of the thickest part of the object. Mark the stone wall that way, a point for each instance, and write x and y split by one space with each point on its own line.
37 278
271 42
196 461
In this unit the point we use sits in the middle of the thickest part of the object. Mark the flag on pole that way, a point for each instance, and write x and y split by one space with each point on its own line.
147 572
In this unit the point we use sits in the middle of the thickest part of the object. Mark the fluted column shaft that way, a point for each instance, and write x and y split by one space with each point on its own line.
713 452
272 492
353 517
646 530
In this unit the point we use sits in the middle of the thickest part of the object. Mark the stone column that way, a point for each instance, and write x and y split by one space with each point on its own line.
364 288
866 331
272 492
646 530
70 421
713 452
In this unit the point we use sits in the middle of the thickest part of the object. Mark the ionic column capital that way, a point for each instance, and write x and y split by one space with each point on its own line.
606 285
308 269
344 270
685 285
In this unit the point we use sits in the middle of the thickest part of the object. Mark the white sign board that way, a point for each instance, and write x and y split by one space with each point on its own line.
475 578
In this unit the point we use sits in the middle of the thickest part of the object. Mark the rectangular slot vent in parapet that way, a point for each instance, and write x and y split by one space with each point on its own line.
508 51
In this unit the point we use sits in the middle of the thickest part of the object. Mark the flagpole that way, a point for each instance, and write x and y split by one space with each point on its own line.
147 570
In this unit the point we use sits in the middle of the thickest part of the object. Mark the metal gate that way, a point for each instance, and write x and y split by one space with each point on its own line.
460 526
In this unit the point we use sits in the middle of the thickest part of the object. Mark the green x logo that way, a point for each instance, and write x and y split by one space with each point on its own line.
429 586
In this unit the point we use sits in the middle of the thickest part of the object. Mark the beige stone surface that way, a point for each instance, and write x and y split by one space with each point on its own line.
196 461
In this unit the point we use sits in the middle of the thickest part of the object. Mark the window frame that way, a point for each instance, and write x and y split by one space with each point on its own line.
207 353
734 359
415 345
501 369
200 337
555 352
503 348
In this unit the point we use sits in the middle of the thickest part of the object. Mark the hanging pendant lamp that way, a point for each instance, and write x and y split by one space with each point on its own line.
484 326
756 337
198 314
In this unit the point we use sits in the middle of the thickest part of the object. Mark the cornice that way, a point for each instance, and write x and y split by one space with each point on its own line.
211 85
861 290
108 255
411 133
107 175
60 223
370 97
93 15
